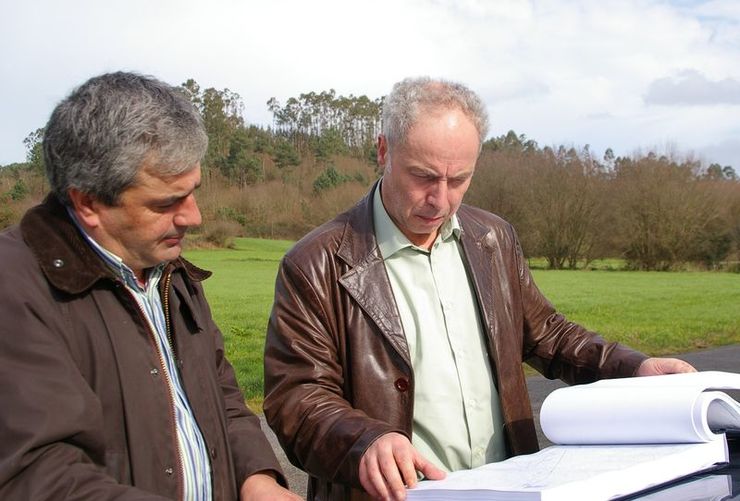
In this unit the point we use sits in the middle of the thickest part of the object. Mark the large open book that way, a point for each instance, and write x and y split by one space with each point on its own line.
614 438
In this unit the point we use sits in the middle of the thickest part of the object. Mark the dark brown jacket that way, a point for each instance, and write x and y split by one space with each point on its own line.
337 368
84 410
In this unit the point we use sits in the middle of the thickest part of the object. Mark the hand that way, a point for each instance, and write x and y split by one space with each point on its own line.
390 464
263 486
658 366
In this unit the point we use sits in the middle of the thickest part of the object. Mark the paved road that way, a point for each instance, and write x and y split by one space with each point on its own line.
726 358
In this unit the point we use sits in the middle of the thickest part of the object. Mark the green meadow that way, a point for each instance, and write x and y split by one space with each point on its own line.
659 313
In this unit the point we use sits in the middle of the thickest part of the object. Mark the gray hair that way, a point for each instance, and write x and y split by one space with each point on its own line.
99 137
410 96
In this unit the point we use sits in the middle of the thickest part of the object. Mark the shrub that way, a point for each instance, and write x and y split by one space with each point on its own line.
329 178
18 191
221 233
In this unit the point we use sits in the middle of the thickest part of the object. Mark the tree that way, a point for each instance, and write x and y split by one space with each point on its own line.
35 155
665 213
305 119
553 196
512 142
716 172
241 166
328 143
285 154
222 116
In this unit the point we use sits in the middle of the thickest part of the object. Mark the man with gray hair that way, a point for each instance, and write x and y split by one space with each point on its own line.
398 332
113 379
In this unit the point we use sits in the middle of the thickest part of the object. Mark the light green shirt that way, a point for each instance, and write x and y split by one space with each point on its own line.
457 413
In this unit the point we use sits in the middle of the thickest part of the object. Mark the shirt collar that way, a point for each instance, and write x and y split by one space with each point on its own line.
391 239
114 262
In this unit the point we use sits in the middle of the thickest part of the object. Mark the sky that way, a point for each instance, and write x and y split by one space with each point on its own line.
631 75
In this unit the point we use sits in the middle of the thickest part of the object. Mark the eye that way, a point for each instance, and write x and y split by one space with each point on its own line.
164 205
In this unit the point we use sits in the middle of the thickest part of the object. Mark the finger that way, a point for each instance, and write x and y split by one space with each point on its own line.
369 473
672 366
392 475
429 470
405 460
687 367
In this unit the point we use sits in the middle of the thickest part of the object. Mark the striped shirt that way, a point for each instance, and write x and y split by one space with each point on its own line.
196 467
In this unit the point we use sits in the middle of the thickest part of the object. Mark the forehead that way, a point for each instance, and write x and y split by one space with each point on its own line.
153 181
445 136
426 116
152 170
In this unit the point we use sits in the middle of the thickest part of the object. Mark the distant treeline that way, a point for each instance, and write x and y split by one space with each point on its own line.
658 211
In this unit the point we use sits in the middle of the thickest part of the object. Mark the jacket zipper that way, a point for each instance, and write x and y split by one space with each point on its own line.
163 367
168 331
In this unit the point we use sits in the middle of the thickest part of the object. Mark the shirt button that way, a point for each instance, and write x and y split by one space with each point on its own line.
401 384
169 471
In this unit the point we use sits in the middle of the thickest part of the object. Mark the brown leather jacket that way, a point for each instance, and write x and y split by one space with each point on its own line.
84 411
337 368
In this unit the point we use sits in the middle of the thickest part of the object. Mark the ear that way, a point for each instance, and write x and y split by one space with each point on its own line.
383 152
86 208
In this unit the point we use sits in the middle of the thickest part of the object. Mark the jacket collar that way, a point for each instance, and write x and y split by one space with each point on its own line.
367 280
359 246
66 260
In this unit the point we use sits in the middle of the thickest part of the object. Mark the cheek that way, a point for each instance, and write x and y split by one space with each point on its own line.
415 195
156 228
456 197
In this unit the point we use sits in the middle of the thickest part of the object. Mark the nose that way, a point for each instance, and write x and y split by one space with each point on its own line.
189 213
437 194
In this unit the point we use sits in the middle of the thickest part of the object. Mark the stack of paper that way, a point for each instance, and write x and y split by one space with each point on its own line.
615 437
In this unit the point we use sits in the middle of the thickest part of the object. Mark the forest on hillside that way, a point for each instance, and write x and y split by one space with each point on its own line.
656 210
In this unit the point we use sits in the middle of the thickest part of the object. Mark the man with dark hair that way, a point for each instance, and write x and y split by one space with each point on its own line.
113 379
398 332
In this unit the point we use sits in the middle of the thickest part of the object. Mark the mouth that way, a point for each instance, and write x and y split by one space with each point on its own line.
173 240
432 220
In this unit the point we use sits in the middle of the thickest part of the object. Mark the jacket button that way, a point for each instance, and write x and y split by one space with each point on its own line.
213 453
169 471
57 263
154 372
401 384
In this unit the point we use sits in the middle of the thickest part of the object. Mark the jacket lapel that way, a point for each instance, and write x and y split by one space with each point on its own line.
480 250
367 280
478 243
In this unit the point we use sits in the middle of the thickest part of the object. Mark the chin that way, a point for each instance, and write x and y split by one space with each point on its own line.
170 254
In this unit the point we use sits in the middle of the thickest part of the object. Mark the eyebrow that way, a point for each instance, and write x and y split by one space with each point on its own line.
432 173
176 197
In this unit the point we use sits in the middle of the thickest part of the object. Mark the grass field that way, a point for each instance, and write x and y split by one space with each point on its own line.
240 293
658 313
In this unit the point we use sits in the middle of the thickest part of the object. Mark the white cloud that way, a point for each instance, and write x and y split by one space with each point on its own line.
690 87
